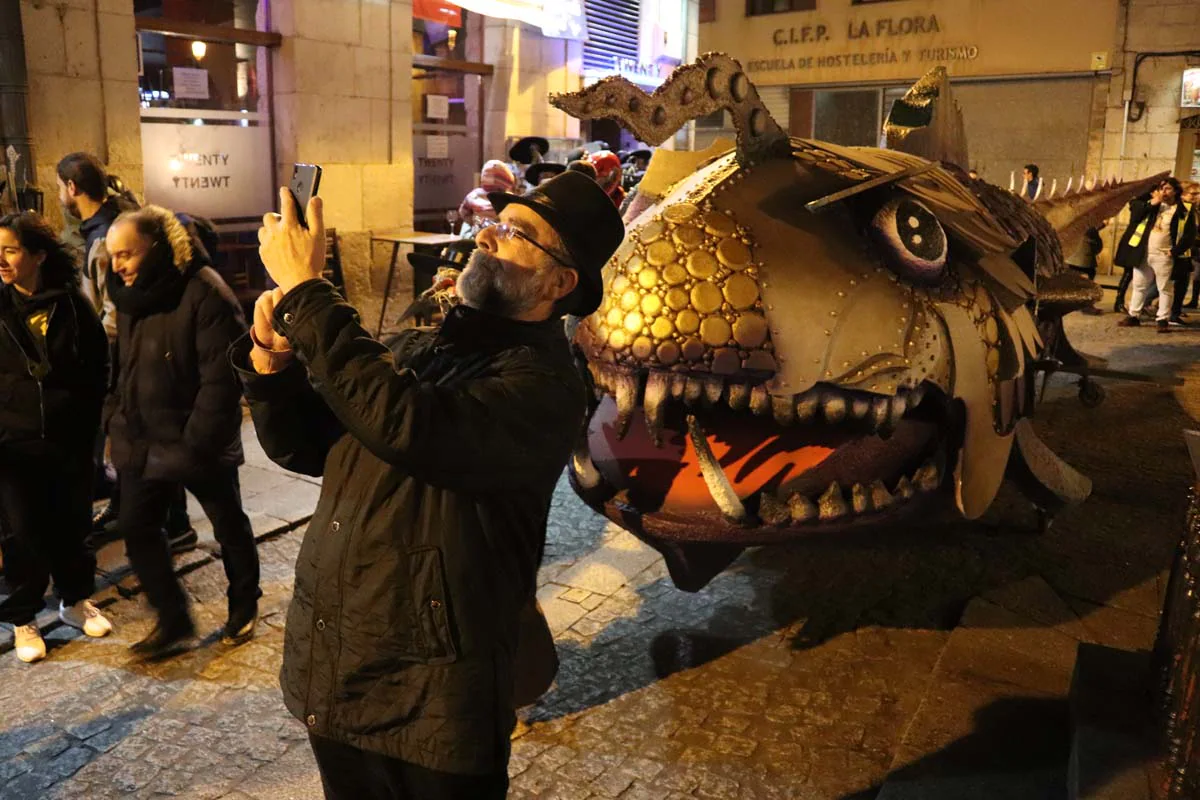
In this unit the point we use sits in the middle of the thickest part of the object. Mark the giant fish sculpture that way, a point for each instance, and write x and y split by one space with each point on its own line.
799 338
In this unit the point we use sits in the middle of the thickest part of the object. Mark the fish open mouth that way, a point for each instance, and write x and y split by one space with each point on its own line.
716 459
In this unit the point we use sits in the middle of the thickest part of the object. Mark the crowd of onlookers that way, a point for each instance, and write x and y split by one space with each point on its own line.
1157 252
133 344
618 174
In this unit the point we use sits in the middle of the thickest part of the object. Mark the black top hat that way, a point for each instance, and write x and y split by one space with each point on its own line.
586 220
453 255
522 151
539 171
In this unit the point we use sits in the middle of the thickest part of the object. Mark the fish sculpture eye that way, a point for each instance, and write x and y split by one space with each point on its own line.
912 239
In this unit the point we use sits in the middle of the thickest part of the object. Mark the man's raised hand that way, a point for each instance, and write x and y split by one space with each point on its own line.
291 253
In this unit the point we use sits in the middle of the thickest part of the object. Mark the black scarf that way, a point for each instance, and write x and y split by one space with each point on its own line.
159 286
25 304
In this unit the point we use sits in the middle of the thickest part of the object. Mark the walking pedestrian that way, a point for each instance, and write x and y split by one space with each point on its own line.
1159 236
438 461
88 193
175 416
53 373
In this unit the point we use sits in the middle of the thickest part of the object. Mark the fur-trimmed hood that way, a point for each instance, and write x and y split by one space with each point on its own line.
165 272
178 238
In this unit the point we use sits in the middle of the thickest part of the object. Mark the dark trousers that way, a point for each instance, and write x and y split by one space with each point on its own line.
45 517
348 773
1181 287
178 520
1123 287
144 504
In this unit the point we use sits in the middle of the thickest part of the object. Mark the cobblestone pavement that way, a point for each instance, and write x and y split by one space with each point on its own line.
792 675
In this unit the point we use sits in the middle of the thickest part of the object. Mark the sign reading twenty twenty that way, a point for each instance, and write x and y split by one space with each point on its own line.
211 170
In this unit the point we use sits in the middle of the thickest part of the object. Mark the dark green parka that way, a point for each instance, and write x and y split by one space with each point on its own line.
439 460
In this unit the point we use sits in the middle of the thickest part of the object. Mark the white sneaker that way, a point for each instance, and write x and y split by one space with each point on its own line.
30 646
85 616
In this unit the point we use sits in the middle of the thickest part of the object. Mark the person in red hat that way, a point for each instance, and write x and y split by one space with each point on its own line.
476 210
609 174
438 457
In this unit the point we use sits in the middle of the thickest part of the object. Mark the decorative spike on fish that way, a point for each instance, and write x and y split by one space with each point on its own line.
800 338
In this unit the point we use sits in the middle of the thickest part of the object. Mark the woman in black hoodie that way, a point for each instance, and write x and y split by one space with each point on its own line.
53 375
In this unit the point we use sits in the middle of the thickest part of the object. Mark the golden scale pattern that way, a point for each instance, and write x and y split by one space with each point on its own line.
686 295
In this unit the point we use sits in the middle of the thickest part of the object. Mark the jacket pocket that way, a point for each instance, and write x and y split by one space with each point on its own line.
433 605
396 609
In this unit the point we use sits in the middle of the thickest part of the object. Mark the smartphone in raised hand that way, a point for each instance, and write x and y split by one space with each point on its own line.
306 179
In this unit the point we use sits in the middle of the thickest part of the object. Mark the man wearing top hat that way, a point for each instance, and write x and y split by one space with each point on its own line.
438 460
543 171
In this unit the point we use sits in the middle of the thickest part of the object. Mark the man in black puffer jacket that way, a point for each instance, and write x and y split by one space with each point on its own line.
175 415
439 459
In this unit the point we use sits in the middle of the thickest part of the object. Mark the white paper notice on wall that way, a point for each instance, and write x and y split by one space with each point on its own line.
190 83
437 147
437 106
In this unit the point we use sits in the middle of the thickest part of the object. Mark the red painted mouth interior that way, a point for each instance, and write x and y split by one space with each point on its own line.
756 454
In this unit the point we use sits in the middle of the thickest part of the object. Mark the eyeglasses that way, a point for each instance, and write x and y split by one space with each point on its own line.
506 232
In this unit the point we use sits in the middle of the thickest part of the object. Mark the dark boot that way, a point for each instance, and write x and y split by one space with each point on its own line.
167 639
239 628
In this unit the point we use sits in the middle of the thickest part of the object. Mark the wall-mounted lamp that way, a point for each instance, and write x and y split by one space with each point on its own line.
199 49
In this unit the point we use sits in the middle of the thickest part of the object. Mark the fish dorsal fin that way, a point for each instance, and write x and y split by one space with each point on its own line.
1073 213
927 122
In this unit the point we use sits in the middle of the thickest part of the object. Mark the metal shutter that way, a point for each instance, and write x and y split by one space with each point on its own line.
778 100
612 32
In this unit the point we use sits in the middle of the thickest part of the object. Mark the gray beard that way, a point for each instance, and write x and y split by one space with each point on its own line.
487 284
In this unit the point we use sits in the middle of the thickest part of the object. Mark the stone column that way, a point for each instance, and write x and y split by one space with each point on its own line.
528 67
343 88
83 89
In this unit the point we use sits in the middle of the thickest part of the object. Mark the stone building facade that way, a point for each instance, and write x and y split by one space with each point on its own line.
1144 130
337 89
1046 83
1157 40
81 57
